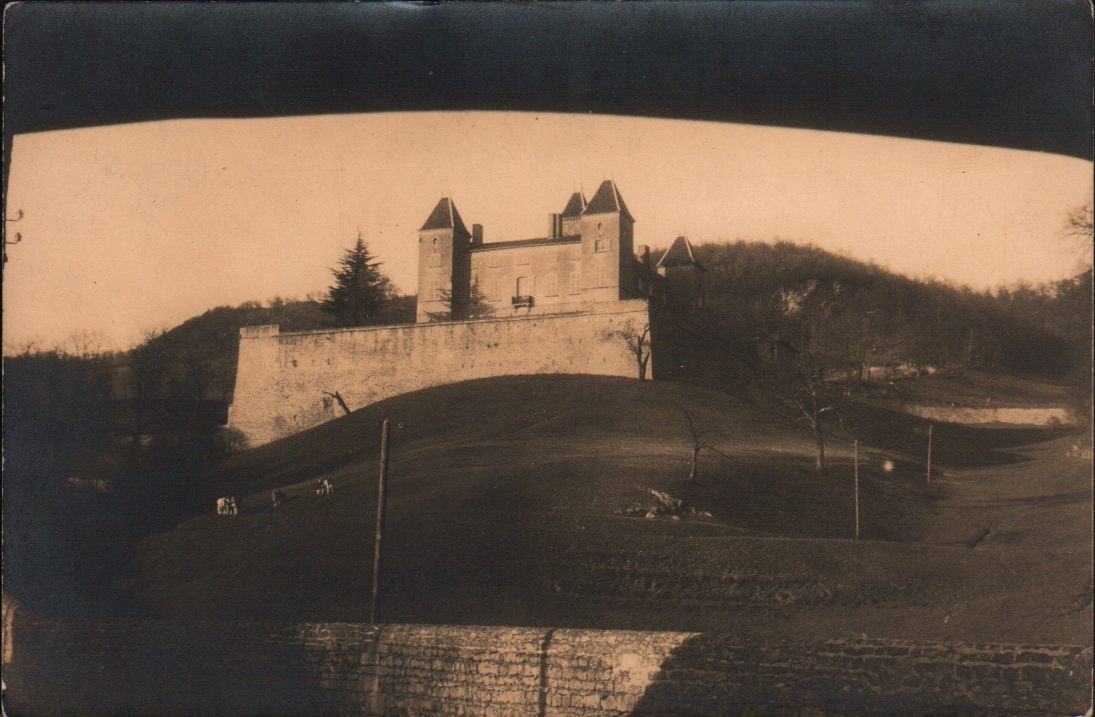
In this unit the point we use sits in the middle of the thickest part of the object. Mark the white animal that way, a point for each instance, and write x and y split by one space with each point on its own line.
324 487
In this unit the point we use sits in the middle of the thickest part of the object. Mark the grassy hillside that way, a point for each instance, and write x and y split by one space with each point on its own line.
504 509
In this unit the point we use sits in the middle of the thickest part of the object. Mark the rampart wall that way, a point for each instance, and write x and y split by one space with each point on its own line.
162 668
282 378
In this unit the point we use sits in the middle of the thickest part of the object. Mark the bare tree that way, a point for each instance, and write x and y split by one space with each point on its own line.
1078 229
338 397
814 400
87 343
697 443
637 341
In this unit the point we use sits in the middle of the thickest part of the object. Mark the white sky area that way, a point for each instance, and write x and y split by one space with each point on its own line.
133 227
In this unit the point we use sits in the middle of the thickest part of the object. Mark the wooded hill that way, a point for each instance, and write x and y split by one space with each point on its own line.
850 314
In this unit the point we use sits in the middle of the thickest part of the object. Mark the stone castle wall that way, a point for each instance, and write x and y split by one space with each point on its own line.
282 378
164 668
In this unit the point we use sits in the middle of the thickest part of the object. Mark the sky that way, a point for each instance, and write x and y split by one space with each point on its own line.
134 227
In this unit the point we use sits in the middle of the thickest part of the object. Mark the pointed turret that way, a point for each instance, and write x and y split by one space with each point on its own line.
445 216
444 266
574 207
607 199
680 254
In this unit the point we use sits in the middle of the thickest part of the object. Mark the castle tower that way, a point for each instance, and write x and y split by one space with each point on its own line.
684 275
444 264
607 246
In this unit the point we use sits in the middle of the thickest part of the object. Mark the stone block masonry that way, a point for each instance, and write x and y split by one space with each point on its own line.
163 668
282 378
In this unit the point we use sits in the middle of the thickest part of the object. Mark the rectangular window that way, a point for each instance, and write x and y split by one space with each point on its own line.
575 252
551 285
575 282
494 290
435 258
522 259
600 276
599 245
494 260
524 286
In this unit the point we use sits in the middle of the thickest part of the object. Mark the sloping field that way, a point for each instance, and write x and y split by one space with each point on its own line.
504 500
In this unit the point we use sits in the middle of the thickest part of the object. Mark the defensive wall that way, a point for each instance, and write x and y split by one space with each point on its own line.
166 668
283 380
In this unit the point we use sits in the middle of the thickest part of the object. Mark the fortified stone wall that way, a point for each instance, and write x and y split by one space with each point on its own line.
144 668
282 378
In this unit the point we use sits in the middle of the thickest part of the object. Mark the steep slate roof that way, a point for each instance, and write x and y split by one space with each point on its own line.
575 205
679 254
445 216
607 199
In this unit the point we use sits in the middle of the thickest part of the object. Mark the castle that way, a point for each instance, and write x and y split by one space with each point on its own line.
582 300
587 257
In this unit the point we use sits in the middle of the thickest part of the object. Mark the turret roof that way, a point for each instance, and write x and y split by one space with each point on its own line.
575 205
679 254
445 216
607 199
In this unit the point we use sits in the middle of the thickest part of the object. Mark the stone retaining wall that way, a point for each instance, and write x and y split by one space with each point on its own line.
163 668
284 381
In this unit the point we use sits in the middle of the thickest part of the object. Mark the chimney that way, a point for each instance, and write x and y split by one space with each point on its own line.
556 222
476 234
644 254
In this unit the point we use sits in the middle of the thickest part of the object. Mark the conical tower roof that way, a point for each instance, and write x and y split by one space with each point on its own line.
575 205
607 199
679 254
445 216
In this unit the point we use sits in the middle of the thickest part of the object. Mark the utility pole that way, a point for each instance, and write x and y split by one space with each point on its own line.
374 608
855 454
929 454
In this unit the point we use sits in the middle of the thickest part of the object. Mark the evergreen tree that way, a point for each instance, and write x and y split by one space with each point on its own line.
360 291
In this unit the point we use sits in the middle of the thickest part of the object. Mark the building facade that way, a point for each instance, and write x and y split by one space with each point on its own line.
586 257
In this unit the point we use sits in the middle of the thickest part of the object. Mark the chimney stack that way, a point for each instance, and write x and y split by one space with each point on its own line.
556 229
644 254
476 234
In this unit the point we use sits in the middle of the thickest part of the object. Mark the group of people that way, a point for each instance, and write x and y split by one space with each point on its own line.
229 506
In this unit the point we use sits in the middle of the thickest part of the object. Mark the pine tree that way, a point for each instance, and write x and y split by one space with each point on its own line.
478 306
360 290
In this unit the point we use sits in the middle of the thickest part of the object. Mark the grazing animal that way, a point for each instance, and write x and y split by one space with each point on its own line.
277 497
324 487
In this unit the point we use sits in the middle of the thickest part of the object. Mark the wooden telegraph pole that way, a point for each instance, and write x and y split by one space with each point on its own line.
374 608
855 453
929 454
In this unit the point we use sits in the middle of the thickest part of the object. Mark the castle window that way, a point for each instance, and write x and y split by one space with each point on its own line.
600 276
575 282
522 258
494 260
600 245
435 258
551 285
575 253
524 286
494 290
